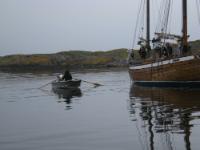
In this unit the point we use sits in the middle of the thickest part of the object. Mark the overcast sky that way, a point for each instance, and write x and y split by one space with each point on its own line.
49 26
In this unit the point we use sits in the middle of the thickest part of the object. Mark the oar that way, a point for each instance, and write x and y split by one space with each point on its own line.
46 84
96 84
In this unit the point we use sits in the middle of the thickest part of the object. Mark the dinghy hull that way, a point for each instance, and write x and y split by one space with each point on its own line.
66 84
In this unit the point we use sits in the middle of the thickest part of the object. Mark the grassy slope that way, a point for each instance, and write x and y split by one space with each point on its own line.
195 46
72 59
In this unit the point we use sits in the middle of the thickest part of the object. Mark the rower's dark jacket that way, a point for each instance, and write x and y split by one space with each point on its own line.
67 76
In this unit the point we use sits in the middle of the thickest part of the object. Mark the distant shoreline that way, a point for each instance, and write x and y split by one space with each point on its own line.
69 59
73 60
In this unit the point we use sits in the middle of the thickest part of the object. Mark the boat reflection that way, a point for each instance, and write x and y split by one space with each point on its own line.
67 95
165 112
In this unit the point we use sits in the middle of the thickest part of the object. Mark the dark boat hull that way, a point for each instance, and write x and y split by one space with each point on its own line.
67 93
182 72
66 84
173 84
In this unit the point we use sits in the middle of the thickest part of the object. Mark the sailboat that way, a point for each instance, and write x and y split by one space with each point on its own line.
166 64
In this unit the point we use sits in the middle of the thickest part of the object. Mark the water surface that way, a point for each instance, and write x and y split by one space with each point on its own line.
115 116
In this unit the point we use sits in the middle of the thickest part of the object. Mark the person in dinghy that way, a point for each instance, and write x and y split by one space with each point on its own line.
66 77
65 81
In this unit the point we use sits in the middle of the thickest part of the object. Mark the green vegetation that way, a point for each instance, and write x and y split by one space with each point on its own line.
75 59
195 46
71 59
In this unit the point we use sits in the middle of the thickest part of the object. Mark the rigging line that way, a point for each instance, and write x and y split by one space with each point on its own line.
142 21
165 20
152 13
136 26
156 14
167 15
137 21
157 24
170 16
162 12
163 15
159 16
155 4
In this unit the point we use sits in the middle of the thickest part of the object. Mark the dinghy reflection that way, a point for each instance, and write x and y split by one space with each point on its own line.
165 113
67 95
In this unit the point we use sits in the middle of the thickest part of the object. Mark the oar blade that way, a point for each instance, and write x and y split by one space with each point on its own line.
97 84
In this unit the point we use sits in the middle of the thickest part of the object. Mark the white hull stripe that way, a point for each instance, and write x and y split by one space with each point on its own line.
156 64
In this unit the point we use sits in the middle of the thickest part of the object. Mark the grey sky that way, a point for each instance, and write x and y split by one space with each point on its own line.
48 26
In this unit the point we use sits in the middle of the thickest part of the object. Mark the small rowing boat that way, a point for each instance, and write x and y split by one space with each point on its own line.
67 93
74 83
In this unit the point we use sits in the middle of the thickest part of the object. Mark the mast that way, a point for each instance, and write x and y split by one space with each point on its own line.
148 24
184 30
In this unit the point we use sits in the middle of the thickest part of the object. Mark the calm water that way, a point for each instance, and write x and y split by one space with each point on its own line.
115 116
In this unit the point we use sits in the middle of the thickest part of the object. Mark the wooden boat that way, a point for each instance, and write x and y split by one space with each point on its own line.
178 71
66 84
67 93
181 72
